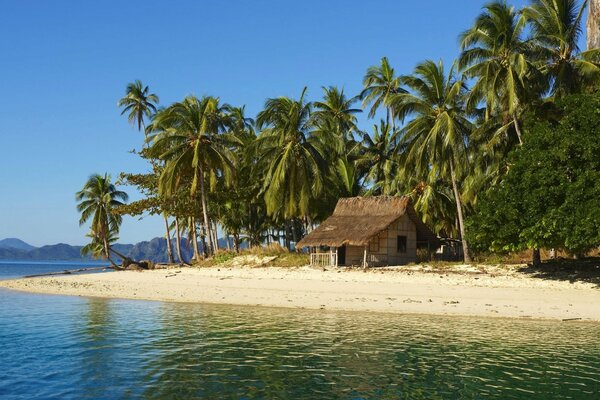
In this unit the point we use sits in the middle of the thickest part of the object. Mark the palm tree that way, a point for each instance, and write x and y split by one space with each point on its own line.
291 158
97 200
380 84
139 103
557 27
437 136
337 109
190 137
379 159
493 53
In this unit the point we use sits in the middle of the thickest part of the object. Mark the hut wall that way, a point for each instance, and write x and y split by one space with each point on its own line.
354 255
385 246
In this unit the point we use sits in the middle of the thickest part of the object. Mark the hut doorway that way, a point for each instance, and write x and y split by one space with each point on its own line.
341 255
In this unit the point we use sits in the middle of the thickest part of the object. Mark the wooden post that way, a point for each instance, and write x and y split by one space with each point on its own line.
336 257
365 258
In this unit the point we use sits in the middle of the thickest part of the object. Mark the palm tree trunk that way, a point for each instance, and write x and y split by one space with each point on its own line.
204 204
168 237
107 251
392 118
178 237
294 235
236 242
215 230
459 212
194 240
517 128
227 239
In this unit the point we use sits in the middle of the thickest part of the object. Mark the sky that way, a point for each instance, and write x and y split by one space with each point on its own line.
65 64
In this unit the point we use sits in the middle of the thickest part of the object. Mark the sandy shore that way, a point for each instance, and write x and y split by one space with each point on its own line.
376 290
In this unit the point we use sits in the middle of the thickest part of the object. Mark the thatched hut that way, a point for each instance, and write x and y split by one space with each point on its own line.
369 231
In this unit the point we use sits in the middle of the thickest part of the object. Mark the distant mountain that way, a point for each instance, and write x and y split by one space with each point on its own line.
14 243
155 250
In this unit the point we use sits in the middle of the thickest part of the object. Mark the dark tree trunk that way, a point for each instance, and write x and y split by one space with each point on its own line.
236 242
536 258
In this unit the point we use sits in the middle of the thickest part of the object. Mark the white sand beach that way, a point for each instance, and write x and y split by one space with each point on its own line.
471 293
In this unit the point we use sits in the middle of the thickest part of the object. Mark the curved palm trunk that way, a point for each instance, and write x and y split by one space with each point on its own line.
178 245
169 248
459 212
593 25
518 129
204 204
107 252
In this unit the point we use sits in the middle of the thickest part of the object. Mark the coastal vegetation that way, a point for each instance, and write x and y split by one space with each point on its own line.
498 149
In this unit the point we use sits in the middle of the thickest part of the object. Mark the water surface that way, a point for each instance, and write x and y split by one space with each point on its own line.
57 347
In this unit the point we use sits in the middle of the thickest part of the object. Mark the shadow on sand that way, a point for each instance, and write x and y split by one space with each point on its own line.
584 270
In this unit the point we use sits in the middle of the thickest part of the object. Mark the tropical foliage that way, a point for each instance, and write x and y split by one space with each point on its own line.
457 137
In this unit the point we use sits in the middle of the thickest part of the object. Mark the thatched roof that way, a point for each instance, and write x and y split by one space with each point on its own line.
357 220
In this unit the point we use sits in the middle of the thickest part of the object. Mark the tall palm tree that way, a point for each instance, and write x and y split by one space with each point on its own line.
190 136
436 137
291 158
380 84
96 201
493 53
139 103
556 27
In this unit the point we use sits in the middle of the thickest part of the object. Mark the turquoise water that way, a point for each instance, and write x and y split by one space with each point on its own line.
56 347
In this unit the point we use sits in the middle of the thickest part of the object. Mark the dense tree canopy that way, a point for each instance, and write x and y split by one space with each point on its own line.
550 198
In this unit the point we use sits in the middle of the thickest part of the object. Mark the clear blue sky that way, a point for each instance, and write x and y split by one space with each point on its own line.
64 65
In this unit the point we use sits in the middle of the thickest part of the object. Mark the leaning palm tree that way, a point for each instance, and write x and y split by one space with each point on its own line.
380 84
190 137
436 137
493 53
290 157
556 27
138 103
97 200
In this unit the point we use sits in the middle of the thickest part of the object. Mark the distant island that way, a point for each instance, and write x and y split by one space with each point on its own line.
155 250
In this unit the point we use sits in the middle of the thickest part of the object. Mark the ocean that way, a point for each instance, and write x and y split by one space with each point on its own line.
59 347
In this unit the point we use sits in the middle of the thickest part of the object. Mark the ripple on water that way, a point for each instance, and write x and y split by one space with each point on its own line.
61 347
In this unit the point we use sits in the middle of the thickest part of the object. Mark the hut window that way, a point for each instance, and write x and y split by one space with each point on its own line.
374 245
401 244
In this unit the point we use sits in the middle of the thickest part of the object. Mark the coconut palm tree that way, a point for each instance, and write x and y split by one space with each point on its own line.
138 103
96 201
337 109
380 84
494 54
190 137
556 27
379 159
436 137
291 158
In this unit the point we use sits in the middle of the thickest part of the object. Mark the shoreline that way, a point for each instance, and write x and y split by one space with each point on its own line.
388 290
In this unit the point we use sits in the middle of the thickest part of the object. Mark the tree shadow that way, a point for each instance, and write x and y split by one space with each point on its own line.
583 270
